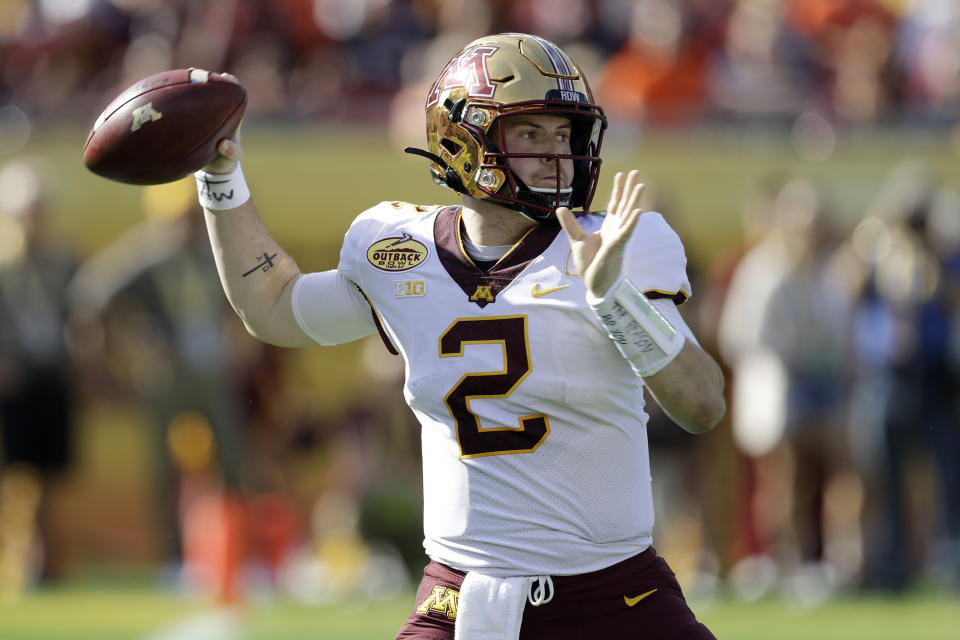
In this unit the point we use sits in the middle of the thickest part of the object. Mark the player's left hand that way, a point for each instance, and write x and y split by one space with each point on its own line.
598 256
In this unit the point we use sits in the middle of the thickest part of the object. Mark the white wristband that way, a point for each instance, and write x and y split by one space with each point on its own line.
221 191
643 336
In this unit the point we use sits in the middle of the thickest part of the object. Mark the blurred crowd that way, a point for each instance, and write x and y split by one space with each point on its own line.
659 62
843 353
838 466
249 484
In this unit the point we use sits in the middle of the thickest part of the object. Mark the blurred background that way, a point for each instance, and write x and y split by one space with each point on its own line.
805 151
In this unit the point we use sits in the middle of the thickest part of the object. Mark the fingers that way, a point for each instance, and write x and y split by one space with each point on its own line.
625 195
236 134
633 202
568 221
625 200
230 148
630 220
230 151
615 193
631 193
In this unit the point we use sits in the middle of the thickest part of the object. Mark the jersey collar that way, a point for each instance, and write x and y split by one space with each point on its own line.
482 287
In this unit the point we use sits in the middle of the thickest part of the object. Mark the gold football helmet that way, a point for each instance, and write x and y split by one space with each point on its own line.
505 75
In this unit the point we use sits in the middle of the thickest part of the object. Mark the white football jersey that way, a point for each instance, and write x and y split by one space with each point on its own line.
534 435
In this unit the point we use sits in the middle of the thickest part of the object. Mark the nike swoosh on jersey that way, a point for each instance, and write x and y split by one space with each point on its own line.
632 601
536 292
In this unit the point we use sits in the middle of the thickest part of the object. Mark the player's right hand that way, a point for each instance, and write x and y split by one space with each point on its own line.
229 149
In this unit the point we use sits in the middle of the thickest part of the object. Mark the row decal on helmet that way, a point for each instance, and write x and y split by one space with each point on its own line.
467 70
559 64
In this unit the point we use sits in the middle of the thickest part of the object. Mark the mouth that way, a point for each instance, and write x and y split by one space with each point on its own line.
549 181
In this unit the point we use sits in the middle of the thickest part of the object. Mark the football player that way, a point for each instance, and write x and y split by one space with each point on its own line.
527 347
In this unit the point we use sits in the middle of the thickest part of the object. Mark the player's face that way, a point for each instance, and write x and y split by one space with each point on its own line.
540 134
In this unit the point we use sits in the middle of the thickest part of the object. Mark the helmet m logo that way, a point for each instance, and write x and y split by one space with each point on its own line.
467 70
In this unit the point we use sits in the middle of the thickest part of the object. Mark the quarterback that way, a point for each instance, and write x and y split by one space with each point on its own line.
528 326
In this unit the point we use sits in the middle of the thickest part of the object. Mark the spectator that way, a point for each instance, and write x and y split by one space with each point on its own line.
659 77
764 72
758 408
906 318
178 348
36 400
806 327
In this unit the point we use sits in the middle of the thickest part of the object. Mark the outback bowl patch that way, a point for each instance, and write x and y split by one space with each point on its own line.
397 254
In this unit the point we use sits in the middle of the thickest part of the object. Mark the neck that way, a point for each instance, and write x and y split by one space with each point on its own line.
488 224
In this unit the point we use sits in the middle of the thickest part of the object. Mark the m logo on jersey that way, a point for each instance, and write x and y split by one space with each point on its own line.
483 293
397 254
467 70
441 600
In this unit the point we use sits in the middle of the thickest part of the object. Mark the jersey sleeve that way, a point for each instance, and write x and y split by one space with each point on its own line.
363 231
330 309
330 306
655 261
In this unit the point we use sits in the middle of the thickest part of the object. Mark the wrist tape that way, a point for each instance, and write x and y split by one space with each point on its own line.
643 336
221 191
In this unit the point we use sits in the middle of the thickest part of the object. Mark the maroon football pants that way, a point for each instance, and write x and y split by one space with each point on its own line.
638 598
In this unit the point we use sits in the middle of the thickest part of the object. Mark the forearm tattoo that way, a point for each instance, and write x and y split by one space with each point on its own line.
264 263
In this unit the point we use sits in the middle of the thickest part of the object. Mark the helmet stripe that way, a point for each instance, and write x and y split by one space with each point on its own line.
560 65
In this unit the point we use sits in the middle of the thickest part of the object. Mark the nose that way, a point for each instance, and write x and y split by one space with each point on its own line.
560 147
557 148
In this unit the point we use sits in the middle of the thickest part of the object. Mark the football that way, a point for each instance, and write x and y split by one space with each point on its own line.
164 127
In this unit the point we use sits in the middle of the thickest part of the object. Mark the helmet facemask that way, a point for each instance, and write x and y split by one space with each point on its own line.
499 77
540 203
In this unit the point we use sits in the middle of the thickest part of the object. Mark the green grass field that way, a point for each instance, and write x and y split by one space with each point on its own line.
74 613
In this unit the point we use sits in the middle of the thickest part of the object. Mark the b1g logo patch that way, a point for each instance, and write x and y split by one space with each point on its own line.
397 254
409 288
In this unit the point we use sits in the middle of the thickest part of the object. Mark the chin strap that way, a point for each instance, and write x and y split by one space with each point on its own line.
552 197
566 191
449 178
